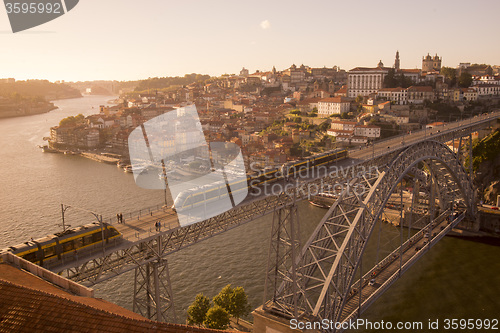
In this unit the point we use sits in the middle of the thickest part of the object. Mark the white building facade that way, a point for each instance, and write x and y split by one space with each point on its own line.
333 105
362 81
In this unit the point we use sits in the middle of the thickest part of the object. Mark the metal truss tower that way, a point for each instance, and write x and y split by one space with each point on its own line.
153 296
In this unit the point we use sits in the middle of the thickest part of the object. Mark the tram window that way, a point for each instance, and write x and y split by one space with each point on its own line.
188 201
212 193
96 237
30 256
68 246
49 251
78 243
87 240
113 232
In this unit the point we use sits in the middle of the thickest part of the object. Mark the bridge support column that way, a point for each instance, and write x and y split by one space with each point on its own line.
153 296
282 262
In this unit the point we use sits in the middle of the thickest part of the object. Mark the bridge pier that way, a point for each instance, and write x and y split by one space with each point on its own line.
153 296
282 261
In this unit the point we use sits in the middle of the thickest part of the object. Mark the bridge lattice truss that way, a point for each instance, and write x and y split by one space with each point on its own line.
130 255
313 283
316 297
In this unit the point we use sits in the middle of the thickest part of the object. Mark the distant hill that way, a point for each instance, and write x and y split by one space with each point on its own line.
43 89
166 82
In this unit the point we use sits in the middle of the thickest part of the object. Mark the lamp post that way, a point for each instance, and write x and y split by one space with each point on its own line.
63 210
164 179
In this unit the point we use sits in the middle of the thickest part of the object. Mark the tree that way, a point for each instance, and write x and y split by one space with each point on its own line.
217 318
465 80
450 75
324 126
234 301
197 312
240 306
390 79
223 299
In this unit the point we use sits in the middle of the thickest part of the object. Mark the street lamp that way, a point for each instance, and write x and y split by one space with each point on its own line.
164 179
63 210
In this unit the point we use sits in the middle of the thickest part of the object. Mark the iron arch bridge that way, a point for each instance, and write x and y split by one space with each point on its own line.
325 279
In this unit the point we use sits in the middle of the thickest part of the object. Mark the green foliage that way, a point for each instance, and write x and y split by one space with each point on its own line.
390 80
485 150
72 121
197 311
450 75
359 99
324 126
165 82
296 112
38 89
217 318
465 80
223 299
297 120
393 80
444 110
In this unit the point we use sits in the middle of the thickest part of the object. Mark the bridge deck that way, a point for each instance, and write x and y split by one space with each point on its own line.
391 268
141 231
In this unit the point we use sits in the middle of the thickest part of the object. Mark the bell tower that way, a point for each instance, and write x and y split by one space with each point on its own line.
396 62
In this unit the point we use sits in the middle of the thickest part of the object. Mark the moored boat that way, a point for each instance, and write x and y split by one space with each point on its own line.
323 200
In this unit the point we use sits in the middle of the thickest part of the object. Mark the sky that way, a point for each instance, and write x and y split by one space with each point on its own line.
137 39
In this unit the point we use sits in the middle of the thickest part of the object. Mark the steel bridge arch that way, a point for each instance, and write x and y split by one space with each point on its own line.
329 260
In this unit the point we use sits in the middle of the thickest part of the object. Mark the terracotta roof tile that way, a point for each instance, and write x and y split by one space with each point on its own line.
29 304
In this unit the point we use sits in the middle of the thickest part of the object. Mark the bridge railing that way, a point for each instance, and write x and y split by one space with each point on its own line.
387 283
47 275
395 254
137 214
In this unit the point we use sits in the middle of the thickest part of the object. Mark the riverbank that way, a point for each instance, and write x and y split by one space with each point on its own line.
101 158
27 111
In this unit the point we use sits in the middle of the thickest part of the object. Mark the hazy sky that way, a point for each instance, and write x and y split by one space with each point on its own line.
136 39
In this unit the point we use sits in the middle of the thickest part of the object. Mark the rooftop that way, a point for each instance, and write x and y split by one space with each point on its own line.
29 304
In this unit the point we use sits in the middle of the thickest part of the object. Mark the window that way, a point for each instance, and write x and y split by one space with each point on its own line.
87 240
68 246
49 252
30 256
78 243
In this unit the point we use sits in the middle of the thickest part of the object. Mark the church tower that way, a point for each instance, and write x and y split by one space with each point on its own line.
396 62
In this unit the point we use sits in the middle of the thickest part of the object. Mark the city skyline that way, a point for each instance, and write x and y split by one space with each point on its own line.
128 40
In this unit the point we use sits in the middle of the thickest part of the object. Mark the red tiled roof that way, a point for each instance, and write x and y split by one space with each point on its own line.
421 88
367 126
29 304
334 100
344 122
416 70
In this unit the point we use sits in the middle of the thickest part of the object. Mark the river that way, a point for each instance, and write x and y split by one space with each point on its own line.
456 279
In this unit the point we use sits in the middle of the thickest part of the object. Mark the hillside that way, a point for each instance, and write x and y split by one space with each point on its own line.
37 89
486 164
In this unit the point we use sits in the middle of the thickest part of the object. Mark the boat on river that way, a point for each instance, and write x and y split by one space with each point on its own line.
323 200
